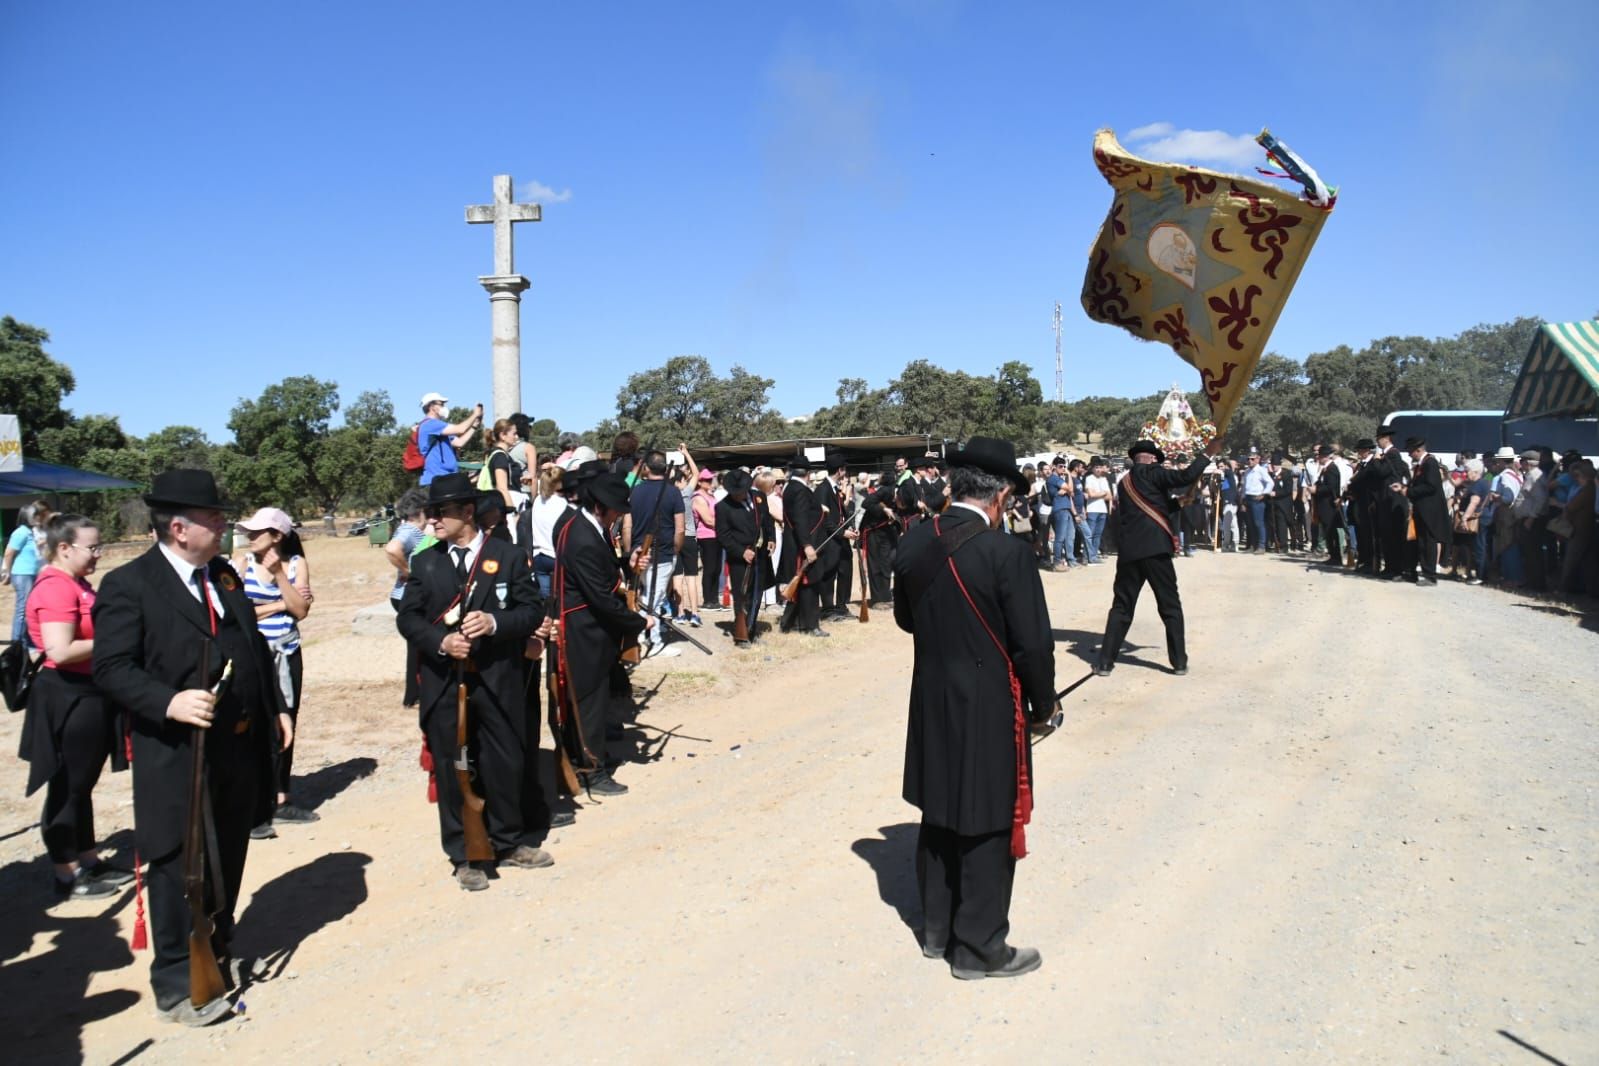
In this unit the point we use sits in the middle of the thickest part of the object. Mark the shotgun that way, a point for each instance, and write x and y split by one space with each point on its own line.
205 976
630 651
741 624
560 697
790 591
478 848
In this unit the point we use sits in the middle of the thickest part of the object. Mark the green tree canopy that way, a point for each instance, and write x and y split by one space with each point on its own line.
32 385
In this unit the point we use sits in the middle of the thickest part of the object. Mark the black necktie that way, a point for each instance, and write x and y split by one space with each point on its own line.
460 564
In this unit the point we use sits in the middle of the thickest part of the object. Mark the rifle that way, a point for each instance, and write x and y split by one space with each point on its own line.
478 848
866 577
791 590
685 634
205 976
741 625
630 651
560 702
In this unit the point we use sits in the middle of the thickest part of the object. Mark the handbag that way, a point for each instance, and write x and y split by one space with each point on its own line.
1561 526
17 671
1464 524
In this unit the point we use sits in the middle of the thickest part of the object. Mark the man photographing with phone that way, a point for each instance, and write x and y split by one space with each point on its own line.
438 440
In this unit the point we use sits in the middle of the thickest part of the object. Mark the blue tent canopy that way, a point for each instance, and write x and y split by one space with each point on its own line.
37 477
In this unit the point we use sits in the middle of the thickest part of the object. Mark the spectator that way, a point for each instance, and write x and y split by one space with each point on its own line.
504 476
1474 520
1579 515
277 580
70 727
703 506
656 508
567 443
406 540
524 454
1062 515
686 577
625 457
1097 497
21 565
438 440
548 505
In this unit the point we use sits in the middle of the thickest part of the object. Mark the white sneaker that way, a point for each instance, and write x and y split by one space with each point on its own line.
668 651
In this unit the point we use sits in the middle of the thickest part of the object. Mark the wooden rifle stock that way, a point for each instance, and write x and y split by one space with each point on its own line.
866 585
630 651
478 848
561 704
205 976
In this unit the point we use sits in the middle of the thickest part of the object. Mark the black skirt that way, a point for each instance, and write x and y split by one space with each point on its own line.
58 694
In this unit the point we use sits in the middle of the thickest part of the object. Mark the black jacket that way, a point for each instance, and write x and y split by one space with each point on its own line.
802 520
1329 486
1426 494
588 597
503 587
1138 535
960 745
148 633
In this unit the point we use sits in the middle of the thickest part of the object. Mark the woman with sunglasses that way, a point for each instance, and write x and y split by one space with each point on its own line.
70 727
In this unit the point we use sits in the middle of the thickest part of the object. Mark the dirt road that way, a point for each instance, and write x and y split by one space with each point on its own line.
1363 828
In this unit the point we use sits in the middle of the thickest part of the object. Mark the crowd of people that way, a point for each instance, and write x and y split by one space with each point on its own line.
526 592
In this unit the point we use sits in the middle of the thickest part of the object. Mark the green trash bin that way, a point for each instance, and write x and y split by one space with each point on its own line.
378 533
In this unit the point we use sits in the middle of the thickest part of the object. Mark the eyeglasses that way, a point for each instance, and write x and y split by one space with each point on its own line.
441 510
93 549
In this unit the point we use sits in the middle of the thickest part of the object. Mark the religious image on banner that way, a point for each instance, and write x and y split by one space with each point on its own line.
1202 261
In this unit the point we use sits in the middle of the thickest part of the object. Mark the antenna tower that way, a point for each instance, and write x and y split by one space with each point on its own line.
1060 375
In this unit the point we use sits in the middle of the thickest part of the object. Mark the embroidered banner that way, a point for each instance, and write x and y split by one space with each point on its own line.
1200 261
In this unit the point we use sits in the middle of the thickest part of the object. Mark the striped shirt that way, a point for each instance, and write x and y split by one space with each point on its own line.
279 629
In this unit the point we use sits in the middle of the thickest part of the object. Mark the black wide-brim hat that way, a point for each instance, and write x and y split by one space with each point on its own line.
452 488
610 491
833 460
798 463
182 488
1385 431
1146 447
990 455
1412 443
737 480
1365 444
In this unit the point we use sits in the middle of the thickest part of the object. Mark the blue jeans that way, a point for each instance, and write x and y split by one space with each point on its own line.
22 584
1065 533
544 573
1257 518
1095 528
653 591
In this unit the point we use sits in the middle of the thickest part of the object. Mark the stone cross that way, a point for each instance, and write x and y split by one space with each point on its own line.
505 288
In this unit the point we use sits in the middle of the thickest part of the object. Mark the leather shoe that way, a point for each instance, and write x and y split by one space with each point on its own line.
1022 960
1102 668
1180 671
603 784
527 858
196 1017
934 950
470 878
297 815
562 819
105 873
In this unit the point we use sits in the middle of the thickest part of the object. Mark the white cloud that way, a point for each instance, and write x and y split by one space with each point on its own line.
539 193
1163 141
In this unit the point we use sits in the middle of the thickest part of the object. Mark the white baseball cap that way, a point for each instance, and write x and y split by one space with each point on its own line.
432 398
580 455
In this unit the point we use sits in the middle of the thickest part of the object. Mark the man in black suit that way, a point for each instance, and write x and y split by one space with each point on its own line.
468 610
1280 507
1364 487
744 532
1329 514
1426 494
984 675
879 534
802 523
1147 536
1393 507
595 622
153 621
836 498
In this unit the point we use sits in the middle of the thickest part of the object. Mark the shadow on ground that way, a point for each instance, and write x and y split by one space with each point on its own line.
892 857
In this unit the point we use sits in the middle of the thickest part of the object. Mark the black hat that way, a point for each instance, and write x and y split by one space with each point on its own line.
737 480
833 459
1365 444
1412 443
1278 457
924 462
585 471
1147 447
1323 451
608 490
1385 430
992 456
489 501
185 488
798 463
452 488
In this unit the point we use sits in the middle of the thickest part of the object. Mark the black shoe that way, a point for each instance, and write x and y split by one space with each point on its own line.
1180 671
112 875
264 831
741 644
295 815
1022 960
1102 668
83 886
562 819
934 951
818 632
1426 582
603 784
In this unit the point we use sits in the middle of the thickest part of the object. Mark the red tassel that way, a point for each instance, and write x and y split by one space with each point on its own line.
727 586
433 787
141 937
427 759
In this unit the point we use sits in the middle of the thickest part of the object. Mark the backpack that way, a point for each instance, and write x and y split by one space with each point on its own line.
485 476
414 458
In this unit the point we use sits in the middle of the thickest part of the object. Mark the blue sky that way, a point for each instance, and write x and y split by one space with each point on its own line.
198 200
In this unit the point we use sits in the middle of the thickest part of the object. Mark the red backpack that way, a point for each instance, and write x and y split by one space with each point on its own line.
413 460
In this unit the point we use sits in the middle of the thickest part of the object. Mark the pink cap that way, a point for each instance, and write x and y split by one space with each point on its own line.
266 518
707 475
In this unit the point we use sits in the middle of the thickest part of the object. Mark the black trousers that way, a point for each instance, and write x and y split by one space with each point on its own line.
412 693
1426 552
710 572
1279 515
965 884
68 818
744 582
1161 576
804 614
1365 541
839 584
504 760
879 564
232 783
585 737
1391 528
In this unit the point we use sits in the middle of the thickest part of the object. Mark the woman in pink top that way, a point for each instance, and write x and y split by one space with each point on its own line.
705 533
70 727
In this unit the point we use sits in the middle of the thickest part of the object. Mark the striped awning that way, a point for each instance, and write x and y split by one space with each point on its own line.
1560 376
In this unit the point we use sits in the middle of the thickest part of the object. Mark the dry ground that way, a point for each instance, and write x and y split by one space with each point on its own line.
1363 829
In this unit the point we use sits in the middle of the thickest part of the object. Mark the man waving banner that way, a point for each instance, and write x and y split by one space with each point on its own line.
1202 261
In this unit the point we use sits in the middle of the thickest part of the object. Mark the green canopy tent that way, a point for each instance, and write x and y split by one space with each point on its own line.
1560 376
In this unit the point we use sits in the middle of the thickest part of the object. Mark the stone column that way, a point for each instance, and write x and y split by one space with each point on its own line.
505 301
